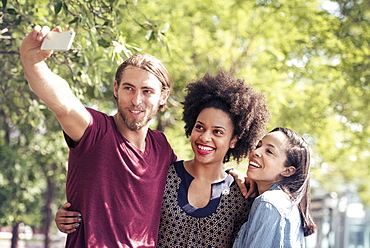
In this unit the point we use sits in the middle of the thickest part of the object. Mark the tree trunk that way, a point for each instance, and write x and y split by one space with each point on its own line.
15 235
50 197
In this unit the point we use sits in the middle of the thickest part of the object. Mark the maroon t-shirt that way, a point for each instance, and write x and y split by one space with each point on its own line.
117 188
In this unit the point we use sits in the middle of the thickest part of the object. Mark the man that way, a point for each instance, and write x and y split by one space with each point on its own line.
117 166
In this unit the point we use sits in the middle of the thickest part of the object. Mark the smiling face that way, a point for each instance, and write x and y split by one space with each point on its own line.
211 136
139 95
266 162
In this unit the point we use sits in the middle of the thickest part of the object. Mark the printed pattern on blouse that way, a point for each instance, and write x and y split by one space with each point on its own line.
218 229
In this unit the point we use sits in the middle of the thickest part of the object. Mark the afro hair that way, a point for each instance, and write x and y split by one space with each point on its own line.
246 107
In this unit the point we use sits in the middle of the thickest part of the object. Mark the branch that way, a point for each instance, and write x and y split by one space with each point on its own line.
132 16
9 52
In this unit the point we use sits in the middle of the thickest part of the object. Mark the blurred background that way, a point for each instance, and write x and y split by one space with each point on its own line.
310 58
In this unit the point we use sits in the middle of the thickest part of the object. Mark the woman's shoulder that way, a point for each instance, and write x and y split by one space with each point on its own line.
274 195
278 199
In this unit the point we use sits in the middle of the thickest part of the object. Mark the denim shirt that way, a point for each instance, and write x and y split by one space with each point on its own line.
274 221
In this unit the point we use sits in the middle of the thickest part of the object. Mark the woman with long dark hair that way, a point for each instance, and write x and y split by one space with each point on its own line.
280 216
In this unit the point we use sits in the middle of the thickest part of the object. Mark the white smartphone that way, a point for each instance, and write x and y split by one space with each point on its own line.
58 41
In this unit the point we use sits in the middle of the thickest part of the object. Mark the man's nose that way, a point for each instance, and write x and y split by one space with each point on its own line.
137 98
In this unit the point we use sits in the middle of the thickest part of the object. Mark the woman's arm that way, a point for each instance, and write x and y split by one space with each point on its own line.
246 185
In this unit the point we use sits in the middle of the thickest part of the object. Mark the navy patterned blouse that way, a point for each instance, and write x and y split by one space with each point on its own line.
215 225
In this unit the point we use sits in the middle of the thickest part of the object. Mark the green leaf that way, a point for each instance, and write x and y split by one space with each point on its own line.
74 20
58 7
18 21
12 11
65 7
4 3
149 35
165 28
103 43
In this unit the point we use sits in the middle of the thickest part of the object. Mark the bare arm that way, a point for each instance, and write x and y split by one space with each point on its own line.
49 87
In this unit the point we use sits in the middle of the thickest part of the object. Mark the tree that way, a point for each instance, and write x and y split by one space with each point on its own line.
311 63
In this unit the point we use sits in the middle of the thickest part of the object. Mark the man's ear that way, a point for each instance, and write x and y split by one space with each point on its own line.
115 89
288 171
164 96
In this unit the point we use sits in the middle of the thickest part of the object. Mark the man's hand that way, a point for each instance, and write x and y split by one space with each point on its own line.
246 185
30 49
67 221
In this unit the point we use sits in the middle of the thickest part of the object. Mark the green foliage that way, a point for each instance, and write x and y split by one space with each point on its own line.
312 65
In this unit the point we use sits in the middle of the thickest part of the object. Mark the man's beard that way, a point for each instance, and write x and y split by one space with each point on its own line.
135 124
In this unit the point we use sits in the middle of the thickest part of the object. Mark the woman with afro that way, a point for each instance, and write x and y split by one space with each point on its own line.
203 205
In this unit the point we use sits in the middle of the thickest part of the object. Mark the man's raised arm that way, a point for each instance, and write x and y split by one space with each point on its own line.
49 87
